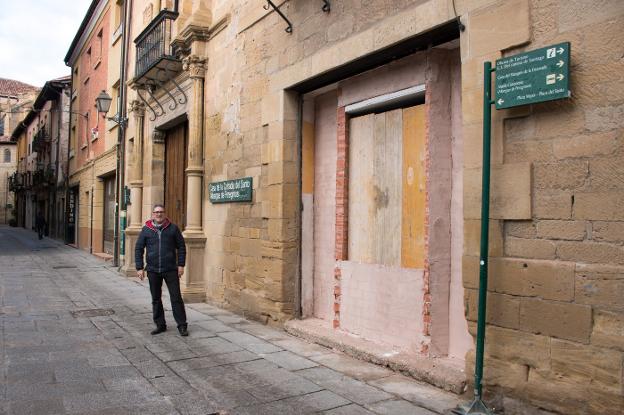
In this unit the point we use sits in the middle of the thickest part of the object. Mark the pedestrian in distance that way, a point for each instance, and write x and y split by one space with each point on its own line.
161 238
40 224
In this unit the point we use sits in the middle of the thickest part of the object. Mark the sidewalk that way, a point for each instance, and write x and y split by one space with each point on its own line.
75 340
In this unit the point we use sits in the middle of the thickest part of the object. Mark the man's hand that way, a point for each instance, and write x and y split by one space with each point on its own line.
180 272
141 274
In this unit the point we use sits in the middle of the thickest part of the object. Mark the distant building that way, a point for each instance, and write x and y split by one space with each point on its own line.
40 183
15 101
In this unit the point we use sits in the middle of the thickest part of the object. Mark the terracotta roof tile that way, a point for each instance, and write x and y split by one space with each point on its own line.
13 87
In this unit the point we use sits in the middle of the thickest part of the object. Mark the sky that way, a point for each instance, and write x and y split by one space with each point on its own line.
35 36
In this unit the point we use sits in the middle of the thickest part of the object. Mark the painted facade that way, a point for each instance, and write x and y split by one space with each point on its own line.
93 57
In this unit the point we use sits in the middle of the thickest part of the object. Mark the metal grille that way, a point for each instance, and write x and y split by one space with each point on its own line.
154 43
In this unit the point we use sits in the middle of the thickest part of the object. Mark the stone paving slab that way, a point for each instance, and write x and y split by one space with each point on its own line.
56 361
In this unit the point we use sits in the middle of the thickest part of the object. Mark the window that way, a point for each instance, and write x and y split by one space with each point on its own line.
89 61
7 155
99 44
2 125
118 12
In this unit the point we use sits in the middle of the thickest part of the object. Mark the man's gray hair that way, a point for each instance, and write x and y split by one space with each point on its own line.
158 205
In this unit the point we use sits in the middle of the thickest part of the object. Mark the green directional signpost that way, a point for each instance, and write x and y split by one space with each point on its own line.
536 76
527 78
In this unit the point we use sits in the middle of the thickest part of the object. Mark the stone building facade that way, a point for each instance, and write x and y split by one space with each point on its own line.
15 100
361 129
94 59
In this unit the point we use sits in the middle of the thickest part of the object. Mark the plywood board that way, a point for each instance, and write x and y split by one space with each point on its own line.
414 188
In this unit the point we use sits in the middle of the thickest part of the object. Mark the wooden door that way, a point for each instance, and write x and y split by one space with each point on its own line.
175 182
109 214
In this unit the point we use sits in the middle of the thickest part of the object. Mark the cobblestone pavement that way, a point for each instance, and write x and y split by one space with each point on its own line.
75 340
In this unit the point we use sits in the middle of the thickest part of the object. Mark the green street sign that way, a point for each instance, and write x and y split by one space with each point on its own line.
536 76
237 190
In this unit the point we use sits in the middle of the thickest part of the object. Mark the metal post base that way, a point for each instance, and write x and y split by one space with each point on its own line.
476 407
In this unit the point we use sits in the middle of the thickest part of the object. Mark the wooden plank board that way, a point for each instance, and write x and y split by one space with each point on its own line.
414 188
388 176
361 189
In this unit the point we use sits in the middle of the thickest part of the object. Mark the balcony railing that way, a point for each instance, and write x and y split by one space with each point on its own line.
40 140
154 43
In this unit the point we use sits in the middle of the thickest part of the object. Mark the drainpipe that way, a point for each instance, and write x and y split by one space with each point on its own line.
120 203
91 224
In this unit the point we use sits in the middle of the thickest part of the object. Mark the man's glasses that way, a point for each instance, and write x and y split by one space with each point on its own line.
159 211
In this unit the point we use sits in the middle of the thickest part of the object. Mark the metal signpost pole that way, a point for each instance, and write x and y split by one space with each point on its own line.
477 406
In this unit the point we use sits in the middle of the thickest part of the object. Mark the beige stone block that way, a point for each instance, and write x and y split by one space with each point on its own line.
552 280
563 320
472 106
498 372
499 27
564 175
558 229
518 347
472 70
608 330
521 229
575 14
501 310
510 192
590 365
608 232
553 205
604 118
528 150
585 145
472 237
592 252
470 271
599 205
602 286
530 248
272 108
606 174
606 401
560 394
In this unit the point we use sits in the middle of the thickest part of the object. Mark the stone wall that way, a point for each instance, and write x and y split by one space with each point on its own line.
556 314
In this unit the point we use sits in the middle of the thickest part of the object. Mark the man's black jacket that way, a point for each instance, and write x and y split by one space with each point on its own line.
161 247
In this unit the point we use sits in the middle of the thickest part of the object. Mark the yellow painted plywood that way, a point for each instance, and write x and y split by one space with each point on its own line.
414 188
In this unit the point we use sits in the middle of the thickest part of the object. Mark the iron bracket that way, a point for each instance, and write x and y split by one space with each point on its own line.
289 29
148 105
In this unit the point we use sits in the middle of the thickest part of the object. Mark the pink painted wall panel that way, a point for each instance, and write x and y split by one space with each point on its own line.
383 304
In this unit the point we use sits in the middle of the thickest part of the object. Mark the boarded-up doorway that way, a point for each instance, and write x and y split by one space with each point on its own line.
175 166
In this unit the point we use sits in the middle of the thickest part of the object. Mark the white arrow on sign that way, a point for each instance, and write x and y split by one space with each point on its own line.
560 63
560 77
500 101
560 51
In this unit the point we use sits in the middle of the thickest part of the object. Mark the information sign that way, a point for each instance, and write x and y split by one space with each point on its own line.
531 77
237 190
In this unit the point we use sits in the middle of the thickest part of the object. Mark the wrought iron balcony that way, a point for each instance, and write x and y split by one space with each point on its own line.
40 140
154 53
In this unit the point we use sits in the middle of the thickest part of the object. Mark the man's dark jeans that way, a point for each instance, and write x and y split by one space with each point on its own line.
173 285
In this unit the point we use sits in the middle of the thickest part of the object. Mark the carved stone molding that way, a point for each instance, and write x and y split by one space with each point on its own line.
158 137
137 108
195 65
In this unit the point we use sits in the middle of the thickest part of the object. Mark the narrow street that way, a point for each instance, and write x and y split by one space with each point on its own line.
75 340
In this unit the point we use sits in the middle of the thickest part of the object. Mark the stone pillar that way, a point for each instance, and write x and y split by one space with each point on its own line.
193 289
136 187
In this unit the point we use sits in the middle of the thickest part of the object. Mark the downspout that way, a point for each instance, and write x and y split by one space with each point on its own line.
58 153
69 130
120 200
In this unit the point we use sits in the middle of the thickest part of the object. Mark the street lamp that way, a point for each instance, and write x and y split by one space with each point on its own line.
103 103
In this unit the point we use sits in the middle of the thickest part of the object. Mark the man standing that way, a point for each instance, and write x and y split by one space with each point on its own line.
40 224
162 238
